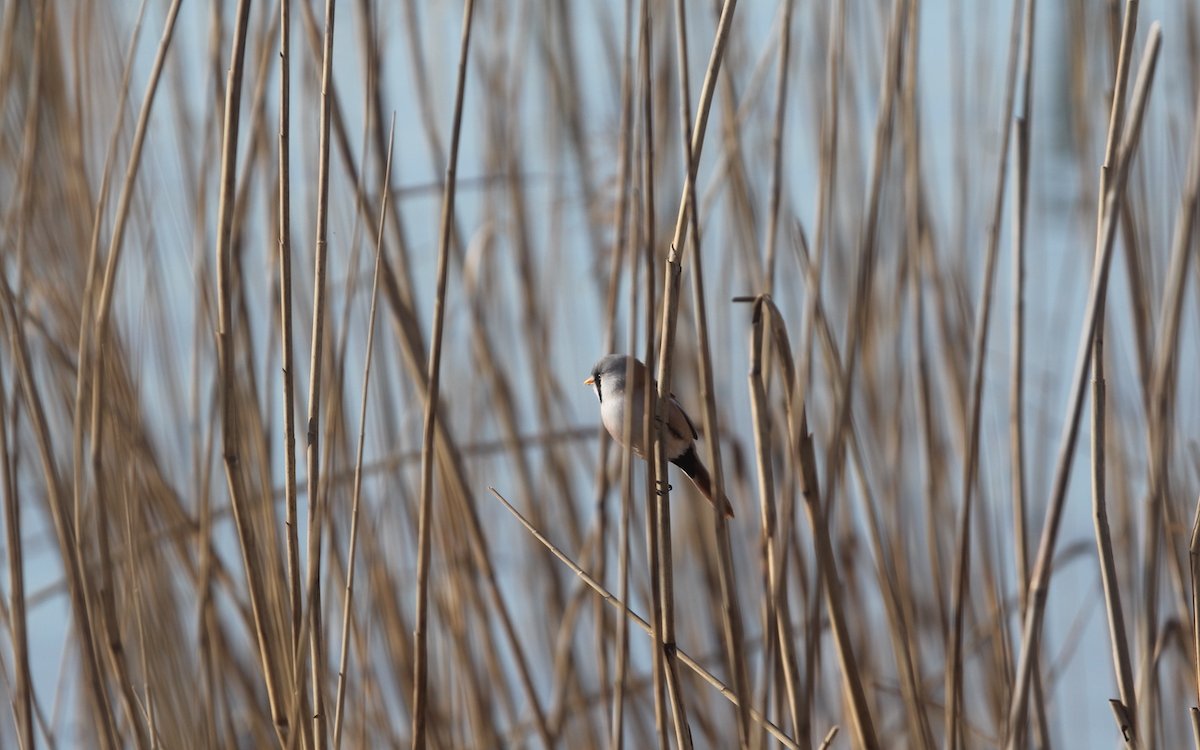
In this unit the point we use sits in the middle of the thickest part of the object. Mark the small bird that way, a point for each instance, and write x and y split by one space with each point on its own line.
619 380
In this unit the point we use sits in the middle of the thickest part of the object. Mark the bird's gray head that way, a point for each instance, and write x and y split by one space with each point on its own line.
608 376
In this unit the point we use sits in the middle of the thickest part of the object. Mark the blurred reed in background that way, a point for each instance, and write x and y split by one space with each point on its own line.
921 271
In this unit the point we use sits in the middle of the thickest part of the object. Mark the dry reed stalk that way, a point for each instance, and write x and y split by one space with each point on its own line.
313 431
66 528
211 636
148 703
17 612
904 646
120 218
625 483
1017 384
526 229
649 243
777 620
83 350
535 317
362 422
1166 362
1127 712
8 65
857 326
734 179
421 665
621 223
827 741
638 148
800 446
731 620
398 290
1017 370
617 726
659 526
492 368
1021 135
962 562
227 388
914 236
100 336
565 83
1194 571
827 167
286 325
859 313
693 143
1039 581
781 90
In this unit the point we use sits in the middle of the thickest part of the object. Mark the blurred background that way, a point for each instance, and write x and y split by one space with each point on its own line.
861 165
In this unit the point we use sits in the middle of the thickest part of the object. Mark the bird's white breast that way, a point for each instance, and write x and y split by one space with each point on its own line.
612 414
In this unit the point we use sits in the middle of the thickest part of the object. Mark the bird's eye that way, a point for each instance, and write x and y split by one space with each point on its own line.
596 382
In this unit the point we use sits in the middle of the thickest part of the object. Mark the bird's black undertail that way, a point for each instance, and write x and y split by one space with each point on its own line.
696 471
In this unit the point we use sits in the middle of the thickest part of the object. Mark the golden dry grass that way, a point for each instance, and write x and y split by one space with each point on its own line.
927 234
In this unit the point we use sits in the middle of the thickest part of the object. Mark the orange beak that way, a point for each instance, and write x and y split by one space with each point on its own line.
589 381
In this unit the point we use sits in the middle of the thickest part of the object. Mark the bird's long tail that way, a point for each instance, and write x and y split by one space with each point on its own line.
696 471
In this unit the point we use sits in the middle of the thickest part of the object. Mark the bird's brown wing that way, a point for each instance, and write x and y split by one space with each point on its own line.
679 422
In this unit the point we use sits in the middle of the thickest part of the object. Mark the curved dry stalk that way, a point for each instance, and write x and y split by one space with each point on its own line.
778 619
1122 664
82 351
64 529
801 446
101 346
104 306
649 629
